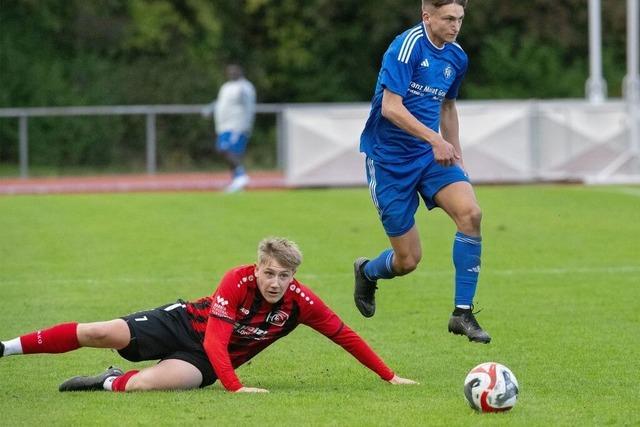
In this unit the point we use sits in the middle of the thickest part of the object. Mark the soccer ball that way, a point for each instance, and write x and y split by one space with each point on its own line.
491 387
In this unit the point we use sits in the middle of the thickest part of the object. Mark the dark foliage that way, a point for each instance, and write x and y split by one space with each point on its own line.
122 52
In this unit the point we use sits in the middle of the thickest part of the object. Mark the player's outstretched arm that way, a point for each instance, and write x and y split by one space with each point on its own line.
251 390
396 380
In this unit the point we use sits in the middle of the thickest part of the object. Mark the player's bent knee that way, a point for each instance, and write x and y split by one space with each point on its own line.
469 220
475 216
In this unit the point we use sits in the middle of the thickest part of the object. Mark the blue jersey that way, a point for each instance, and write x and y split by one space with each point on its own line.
424 75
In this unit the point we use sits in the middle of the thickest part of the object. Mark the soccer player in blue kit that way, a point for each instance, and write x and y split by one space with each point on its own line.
412 149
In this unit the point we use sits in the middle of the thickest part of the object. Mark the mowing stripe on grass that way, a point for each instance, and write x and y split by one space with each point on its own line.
625 269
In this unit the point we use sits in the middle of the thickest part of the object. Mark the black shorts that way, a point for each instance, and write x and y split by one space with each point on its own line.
165 333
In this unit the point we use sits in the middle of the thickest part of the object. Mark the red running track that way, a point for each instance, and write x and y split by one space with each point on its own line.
136 183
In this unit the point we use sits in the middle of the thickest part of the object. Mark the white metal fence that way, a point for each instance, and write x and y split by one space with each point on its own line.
503 141
149 111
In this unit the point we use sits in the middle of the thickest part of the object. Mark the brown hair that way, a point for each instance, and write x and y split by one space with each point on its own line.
439 3
284 251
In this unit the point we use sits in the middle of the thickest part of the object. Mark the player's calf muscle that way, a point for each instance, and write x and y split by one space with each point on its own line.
405 265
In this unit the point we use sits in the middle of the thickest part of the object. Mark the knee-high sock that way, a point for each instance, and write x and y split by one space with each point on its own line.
380 267
466 259
56 339
120 383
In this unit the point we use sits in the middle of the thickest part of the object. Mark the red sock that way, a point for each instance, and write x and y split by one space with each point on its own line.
120 383
57 339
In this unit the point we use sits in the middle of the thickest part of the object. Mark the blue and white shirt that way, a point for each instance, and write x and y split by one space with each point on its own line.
424 75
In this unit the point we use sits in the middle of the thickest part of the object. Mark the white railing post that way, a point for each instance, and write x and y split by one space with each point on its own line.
23 131
596 86
151 144
632 79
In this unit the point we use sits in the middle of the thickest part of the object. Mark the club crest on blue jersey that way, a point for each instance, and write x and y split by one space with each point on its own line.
448 72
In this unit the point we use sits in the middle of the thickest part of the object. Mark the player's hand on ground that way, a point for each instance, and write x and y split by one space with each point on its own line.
396 380
252 390
444 153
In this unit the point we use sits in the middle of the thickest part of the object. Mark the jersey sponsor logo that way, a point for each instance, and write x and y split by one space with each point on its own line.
246 330
416 86
219 308
424 63
425 90
277 318
448 72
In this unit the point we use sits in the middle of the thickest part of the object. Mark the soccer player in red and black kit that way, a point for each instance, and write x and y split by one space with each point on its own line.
201 341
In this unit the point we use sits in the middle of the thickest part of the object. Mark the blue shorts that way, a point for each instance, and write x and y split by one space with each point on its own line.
395 188
234 142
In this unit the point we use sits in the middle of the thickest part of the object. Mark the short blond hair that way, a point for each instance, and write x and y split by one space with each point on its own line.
439 3
284 251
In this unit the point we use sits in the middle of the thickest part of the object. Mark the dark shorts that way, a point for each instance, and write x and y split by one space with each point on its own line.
396 189
165 333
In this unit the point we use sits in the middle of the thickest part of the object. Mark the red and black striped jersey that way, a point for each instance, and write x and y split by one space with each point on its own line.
236 323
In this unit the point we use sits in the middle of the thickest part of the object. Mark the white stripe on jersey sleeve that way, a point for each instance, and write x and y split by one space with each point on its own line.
405 50
413 43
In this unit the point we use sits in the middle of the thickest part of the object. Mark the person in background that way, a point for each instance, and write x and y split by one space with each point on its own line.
234 113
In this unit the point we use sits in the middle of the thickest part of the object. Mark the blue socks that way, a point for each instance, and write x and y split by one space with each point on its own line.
380 267
466 260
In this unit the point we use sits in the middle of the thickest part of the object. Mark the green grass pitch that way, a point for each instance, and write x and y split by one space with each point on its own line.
559 289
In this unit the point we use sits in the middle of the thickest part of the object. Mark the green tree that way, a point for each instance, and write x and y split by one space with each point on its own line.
110 52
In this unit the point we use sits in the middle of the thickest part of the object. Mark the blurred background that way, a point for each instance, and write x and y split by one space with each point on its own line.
171 52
